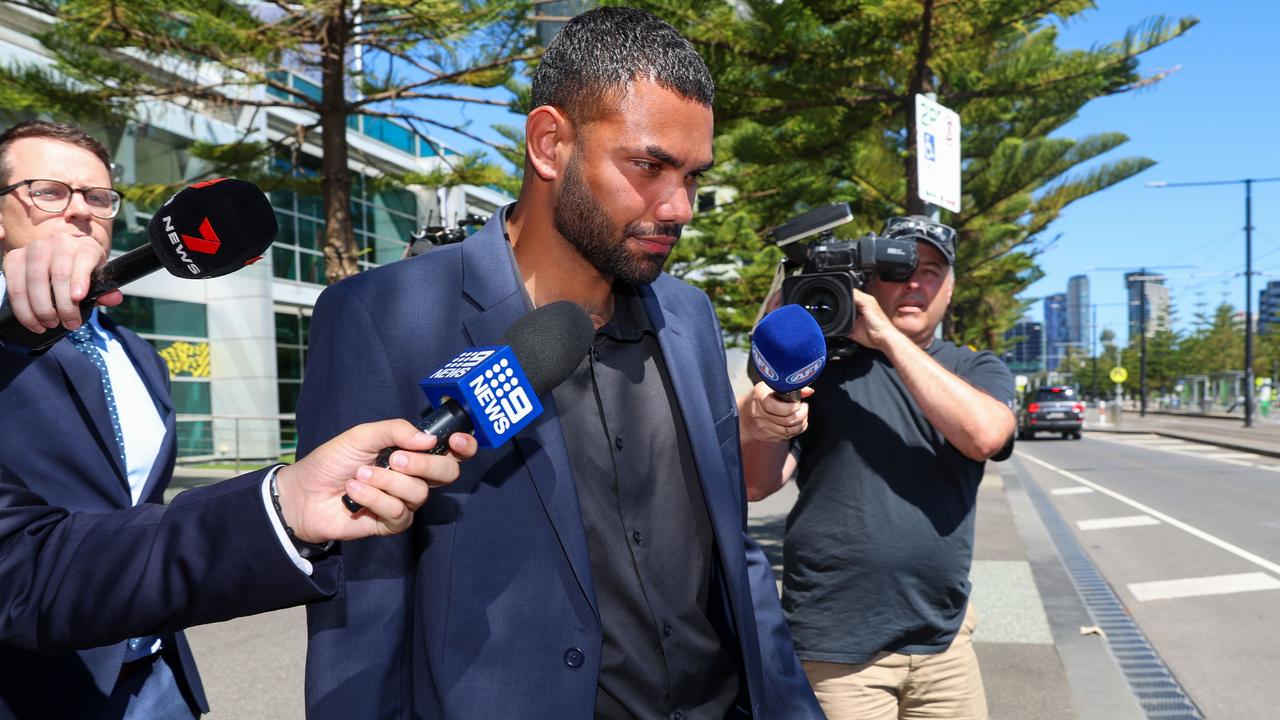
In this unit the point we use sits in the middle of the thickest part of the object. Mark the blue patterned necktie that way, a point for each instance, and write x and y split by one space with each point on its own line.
82 339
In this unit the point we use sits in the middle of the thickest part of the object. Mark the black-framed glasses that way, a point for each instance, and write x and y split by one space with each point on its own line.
54 196
903 226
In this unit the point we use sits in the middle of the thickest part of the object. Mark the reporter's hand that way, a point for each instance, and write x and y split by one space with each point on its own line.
765 416
48 278
872 327
311 489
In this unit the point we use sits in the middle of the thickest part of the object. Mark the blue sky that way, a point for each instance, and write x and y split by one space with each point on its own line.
1216 118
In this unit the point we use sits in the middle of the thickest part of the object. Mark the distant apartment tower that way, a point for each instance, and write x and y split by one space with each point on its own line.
1142 284
1055 330
1269 307
1078 330
1026 355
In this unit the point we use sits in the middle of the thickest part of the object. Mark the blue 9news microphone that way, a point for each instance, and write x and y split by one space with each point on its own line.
492 392
788 350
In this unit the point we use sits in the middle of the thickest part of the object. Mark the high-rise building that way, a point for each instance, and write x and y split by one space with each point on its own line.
1078 330
1026 355
1055 330
1269 307
1156 301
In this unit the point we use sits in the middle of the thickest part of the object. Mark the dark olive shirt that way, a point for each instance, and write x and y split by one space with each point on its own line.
648 532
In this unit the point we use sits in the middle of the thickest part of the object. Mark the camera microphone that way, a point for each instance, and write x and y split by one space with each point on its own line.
206 230
788 350
492 392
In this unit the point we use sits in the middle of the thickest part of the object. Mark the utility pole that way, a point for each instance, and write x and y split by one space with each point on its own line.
1142 346
1248 277
1093 347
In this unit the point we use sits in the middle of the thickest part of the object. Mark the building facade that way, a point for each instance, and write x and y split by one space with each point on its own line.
236 345
1078 328
1269 307
1055 330
1147 291
1026 355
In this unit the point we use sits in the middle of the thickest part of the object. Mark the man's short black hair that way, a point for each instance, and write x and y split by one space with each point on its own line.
595 57
46 130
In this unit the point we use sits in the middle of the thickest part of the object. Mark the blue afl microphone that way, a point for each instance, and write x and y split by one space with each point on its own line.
492 392
788 350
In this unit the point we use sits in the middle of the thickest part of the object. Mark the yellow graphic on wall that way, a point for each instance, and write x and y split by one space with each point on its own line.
187 359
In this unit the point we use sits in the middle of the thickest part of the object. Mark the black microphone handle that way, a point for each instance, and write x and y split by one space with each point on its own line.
442 422
120 271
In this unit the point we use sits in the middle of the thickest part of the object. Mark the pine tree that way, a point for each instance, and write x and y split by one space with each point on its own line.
224 58
815 104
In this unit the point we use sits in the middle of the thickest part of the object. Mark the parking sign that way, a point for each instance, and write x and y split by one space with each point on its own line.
938 154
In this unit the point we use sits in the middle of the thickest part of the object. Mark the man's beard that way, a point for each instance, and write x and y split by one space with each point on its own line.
585 223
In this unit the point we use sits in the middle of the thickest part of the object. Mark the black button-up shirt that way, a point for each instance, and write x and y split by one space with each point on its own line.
648 532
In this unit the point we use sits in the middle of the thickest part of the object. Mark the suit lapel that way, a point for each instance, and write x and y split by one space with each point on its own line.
489 281
86 382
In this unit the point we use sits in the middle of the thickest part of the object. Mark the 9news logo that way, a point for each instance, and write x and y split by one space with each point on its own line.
504 399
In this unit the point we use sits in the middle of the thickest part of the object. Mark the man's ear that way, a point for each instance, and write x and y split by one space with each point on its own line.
548 141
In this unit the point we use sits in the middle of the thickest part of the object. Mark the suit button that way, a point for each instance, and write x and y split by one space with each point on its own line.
617 442
573 657
637 536
666 630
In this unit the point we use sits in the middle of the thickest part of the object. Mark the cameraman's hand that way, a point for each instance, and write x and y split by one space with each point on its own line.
47 278
872 328
766 416
311 490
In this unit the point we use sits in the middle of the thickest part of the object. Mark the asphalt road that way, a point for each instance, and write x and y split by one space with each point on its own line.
1188 537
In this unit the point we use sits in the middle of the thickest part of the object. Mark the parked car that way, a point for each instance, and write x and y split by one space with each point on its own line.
1053 408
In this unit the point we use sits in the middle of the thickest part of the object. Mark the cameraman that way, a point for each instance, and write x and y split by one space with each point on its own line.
888 452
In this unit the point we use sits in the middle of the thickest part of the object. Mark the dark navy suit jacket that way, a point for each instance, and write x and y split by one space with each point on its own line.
56 439
88 578
486 608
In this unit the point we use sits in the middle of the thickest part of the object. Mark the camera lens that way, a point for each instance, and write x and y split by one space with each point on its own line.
828 297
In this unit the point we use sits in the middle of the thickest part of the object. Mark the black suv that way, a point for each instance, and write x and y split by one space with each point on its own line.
1053 408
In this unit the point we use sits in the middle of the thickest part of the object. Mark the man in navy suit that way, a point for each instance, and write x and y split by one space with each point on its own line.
89 424
83 579
598 565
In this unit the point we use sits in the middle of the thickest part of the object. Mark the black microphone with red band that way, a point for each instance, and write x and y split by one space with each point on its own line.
205 230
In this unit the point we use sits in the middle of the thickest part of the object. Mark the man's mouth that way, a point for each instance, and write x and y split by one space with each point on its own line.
656 243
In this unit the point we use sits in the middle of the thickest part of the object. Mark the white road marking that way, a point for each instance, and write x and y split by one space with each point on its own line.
1196 450
1078 490
1217 542
1197 587
1117 522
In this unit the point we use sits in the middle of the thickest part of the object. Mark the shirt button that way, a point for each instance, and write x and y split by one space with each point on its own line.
595 354
573 657
666 630
617 442
637 536
677 715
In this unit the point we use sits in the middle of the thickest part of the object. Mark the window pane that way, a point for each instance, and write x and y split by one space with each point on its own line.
288 363
310 234
282 262
311 205
190 397
288 394
195 437
286 235
162 317
305 322
287 329
312 268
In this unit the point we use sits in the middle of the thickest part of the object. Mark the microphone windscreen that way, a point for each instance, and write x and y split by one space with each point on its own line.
212 228
550 342
788 348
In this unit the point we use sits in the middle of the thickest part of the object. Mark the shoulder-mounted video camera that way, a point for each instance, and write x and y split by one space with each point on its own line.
830 269
430 237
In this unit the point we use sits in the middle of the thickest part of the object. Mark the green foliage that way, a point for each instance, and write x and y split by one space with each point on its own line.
815 104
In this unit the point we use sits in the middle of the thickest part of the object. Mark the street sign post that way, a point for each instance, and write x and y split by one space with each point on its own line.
938 154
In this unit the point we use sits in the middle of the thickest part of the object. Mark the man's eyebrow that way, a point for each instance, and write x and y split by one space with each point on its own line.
661 155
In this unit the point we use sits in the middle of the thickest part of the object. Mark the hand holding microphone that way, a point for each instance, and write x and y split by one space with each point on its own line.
493 391
788 351
206 230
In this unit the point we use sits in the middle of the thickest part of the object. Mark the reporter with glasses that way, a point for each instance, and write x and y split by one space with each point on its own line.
887 449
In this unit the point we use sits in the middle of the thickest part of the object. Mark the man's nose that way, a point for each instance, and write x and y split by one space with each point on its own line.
677 207
78 208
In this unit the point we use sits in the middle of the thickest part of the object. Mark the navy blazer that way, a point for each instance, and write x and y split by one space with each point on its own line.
486 608
83 579
56 439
